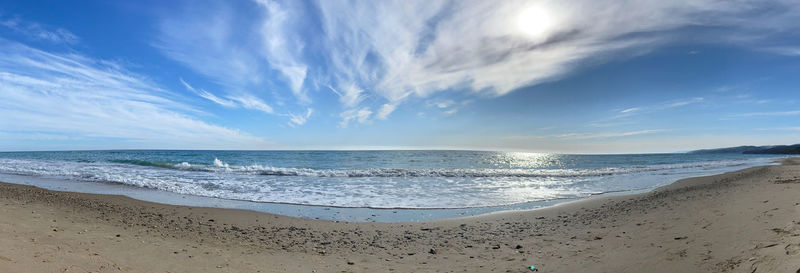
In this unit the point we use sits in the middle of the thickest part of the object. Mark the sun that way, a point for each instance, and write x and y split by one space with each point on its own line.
534 22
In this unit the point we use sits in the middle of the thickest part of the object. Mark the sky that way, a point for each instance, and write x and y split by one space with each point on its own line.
590 76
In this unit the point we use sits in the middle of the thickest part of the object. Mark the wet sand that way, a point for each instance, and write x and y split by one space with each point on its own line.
743 221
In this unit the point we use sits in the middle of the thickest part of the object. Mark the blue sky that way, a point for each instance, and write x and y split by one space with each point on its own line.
543 76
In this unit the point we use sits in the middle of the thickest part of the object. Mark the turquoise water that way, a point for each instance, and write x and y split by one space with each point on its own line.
374 179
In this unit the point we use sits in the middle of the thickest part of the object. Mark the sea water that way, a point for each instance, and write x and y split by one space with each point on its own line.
475 181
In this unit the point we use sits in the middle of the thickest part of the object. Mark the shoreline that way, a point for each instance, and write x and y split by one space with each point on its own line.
741 221
335 213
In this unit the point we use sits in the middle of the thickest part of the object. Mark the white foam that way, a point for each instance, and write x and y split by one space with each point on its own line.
256 169
219 163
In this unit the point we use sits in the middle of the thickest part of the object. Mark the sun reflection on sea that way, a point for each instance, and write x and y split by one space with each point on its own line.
523 160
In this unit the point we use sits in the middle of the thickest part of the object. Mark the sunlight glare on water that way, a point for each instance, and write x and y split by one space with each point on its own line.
525 160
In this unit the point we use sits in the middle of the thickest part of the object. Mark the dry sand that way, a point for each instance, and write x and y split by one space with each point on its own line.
744 221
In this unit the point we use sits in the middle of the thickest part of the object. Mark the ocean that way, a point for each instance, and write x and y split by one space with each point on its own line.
466 182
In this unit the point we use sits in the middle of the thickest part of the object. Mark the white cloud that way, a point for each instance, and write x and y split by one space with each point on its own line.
585 136
630 110
351 96
68 94
297 120
448 107
254 103
788 128
282 47
385 111
606 135
205 94
762 114
784 50
359 115
215 99
653 108
38 31
526 137
683 102
244 101
418 48
237 52
444 104
610 124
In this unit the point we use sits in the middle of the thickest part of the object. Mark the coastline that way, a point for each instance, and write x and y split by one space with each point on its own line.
742 221
624 183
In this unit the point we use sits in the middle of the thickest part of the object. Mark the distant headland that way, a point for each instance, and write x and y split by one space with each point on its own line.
775 149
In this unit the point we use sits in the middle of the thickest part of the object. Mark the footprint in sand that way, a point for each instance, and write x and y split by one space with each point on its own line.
792 249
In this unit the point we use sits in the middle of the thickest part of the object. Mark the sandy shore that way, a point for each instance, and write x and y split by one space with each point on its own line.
744 221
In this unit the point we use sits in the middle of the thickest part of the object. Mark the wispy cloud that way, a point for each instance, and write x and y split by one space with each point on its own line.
385 111
419 48
237 52
611 124
447 107
787 128
205 94
359 115
242 53
297 120
630 110
763 114
250 102
606 135
443 104
38 31
243 101
641 110
784 50
683 102
451 112
350 96
585 136
68 94
282 47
